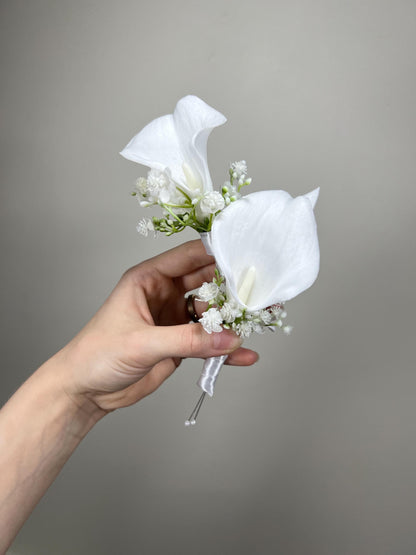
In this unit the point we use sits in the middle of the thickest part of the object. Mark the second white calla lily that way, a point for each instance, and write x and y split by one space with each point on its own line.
273 237
177 143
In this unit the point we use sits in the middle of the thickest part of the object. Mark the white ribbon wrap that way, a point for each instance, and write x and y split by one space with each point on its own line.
212 365
206 241
210 371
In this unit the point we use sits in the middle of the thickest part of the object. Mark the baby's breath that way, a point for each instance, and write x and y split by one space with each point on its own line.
180 209
144 226
225 312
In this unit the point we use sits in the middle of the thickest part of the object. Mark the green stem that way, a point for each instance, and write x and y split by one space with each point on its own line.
199 227
178 205
188 198
173 214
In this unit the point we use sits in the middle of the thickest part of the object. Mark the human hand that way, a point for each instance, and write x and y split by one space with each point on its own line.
133 343
140 335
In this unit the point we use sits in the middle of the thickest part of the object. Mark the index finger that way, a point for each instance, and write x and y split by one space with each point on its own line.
182 260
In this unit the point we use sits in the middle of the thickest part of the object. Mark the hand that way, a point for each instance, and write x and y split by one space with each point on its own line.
133 343
140 335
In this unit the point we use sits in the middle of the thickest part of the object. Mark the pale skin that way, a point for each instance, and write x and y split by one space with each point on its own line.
133 343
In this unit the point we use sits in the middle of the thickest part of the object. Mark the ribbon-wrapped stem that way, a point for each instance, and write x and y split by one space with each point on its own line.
213 365
210 371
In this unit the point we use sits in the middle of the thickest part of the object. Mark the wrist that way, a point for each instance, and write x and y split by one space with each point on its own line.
57 377
40 427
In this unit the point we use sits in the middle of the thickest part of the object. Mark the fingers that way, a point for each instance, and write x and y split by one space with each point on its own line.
136 391
194 308
153 379
182 260
187 340
242 357
196 278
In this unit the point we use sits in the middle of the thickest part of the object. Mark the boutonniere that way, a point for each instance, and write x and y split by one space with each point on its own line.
265 243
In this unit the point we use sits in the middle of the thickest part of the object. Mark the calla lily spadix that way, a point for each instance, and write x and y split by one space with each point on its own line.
273 237
177 143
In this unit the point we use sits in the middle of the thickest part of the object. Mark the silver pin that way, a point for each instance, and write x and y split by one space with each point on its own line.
194 414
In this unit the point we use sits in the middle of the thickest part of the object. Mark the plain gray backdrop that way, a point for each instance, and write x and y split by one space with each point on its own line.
313 450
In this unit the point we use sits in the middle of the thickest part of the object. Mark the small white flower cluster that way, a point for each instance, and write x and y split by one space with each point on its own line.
211 320
224 312
238 179
211 203
208 292
144 226
239 170
158 188
182 208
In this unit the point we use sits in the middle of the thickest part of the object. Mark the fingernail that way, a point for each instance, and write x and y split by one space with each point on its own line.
226 340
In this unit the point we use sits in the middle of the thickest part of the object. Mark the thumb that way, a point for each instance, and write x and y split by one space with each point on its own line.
189 340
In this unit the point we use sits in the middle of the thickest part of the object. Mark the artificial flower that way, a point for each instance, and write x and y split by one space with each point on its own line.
224 311
177 144
230 311
239 169
208 291
274 234
144 226
211 203
265 244
211 320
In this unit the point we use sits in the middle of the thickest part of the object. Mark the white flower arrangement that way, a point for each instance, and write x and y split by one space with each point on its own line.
181 210
224 312
265 244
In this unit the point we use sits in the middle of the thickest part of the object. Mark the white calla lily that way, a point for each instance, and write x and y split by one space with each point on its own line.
272 237
177 143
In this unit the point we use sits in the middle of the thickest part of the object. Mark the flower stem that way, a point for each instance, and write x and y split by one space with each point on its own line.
166 206
178 205
188 198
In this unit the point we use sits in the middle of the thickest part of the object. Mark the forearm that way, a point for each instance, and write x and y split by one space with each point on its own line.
40 427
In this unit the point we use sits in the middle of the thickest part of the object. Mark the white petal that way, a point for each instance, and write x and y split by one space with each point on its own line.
313 196
274 233
157 146
194 121
177 139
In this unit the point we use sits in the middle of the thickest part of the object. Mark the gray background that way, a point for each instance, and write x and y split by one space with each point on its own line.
313 450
